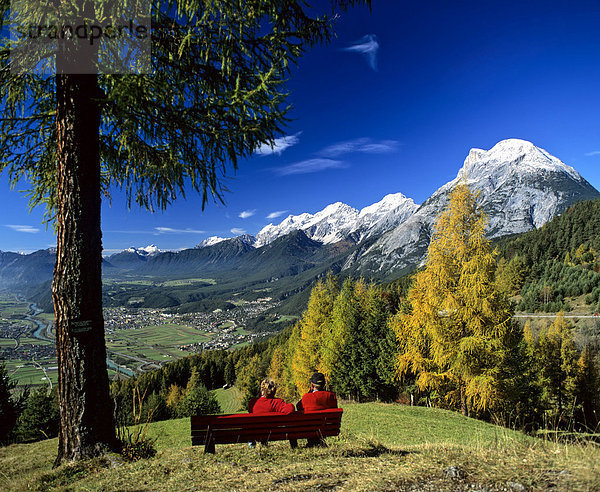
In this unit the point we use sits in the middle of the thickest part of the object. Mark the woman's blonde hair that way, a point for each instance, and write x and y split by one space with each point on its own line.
268 388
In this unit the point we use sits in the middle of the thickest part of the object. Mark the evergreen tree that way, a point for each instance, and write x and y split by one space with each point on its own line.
196 399
586 384
230 372
379 349
511 275
249 376
215 94
454 335
39 418
556 359
9 410
340 340
277 373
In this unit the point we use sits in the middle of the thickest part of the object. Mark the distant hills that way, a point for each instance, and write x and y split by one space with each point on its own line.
521 187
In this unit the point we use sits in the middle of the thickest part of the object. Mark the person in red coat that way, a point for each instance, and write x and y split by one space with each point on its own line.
267 403
317 398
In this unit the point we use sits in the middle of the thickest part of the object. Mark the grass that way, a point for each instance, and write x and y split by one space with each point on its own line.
28 374
382 447
229 399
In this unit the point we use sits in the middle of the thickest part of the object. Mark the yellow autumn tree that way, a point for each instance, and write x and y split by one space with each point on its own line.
308 333
556 357
453 337
279 372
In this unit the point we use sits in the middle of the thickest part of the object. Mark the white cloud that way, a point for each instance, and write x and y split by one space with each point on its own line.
595 152
170 230
237 231
310 166
278 213
367 46
363 145
23 228
279 145
247 213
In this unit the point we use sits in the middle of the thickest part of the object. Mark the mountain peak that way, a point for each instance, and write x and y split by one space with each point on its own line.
149 250
387 203
512 156
520 187
209 241
245 239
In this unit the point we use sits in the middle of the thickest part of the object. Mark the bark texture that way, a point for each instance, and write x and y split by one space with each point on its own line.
86 414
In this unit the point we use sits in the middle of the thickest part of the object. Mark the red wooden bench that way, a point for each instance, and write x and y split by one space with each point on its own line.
245 427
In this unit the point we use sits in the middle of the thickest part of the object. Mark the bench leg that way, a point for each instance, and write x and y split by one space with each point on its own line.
315 442
209 447
293 443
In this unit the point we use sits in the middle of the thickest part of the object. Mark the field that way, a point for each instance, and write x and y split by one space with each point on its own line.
229 399
382 447
137 340
151 281
27 373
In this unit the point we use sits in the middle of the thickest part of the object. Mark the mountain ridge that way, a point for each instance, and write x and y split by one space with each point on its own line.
520 187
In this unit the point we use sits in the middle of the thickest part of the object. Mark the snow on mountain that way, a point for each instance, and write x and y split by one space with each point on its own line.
339 221
150 250
330 225
211 241
520 186
382 216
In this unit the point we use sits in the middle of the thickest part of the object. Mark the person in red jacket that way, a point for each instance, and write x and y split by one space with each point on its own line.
317 398
267 403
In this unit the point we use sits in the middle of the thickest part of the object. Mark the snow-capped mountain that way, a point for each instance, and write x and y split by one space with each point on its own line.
520 186
382 216
210 241
330 225
339 221
150 250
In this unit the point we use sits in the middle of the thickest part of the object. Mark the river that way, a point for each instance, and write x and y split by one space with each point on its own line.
43 329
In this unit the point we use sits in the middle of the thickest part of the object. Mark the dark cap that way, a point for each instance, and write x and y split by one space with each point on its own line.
318 378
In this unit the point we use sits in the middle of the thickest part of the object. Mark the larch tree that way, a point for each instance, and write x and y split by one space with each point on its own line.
556 358
309 332
207 91
453 336
586 390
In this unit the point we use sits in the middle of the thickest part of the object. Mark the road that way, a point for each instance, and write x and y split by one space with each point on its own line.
535 315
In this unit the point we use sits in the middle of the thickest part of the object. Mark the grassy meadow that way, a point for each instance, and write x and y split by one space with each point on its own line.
381 447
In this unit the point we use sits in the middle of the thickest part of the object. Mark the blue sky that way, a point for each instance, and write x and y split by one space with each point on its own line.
393 104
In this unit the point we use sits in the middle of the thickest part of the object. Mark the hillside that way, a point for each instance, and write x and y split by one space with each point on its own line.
561 260
382 447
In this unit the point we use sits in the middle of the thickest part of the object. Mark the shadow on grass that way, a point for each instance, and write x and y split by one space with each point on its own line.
372 450
326 481
70 473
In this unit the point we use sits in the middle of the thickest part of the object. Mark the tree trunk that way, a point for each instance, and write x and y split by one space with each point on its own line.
463 400
86 413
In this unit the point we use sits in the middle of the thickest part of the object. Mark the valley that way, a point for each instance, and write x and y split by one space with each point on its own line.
228 292
138 339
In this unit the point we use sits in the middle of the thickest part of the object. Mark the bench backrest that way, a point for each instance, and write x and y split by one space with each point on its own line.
224 429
